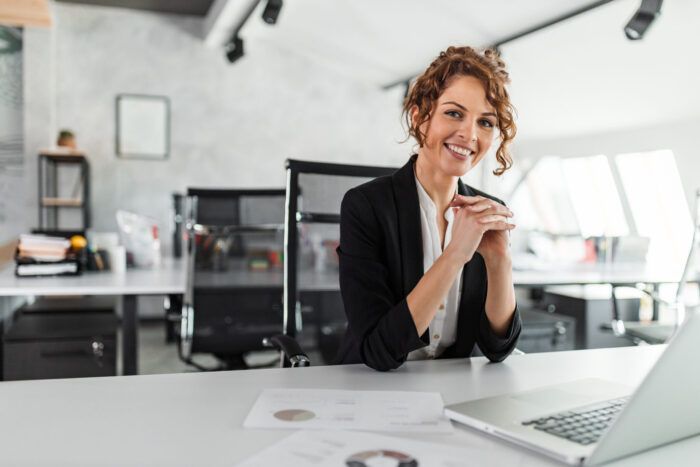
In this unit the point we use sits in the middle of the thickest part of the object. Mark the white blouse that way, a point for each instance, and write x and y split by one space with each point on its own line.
443 327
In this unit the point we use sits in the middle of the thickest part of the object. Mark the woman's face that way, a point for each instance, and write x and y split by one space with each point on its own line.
460 129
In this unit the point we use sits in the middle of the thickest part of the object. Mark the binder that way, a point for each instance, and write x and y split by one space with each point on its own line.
28 267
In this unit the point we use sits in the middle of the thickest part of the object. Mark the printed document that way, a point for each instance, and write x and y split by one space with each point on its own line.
323 409
345 448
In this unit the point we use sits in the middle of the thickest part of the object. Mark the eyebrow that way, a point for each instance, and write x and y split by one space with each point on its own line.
489 114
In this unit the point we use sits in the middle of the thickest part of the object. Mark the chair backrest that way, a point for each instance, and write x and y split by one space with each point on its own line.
233 296
314 193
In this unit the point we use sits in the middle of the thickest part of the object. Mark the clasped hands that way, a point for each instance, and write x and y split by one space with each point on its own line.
480 225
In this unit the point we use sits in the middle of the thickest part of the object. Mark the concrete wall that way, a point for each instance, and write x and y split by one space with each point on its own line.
232 125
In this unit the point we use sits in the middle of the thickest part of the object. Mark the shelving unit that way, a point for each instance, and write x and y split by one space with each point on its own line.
51 201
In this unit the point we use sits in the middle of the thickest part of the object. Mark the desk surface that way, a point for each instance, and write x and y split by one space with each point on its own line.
169 278
196 418
597 273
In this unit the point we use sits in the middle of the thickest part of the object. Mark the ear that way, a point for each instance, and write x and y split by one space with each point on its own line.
414 114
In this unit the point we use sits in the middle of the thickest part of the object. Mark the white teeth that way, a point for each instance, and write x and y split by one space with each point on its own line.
458 150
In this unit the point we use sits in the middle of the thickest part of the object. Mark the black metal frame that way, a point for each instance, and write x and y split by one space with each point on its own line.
618 326
48 214
187 310
218 192
292 217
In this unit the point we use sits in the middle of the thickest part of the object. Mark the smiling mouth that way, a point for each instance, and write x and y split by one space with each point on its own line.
459 152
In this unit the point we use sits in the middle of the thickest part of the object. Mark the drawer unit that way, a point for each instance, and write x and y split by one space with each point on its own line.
38 343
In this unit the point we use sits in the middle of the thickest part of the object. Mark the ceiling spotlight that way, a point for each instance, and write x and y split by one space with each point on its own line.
642 19
272 10
234 49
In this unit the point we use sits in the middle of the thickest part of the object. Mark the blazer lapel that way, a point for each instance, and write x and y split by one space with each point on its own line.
410 237
463 189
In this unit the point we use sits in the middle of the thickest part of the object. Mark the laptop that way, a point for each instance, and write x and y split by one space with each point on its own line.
593 421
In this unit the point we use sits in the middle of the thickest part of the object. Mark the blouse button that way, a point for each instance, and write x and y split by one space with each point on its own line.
442 306
436 336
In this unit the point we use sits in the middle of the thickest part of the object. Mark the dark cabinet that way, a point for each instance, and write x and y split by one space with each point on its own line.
592 314
61 339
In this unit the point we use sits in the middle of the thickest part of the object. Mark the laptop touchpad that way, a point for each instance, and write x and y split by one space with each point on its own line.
553 398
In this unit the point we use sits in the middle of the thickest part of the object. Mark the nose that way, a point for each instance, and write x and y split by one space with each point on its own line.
468 129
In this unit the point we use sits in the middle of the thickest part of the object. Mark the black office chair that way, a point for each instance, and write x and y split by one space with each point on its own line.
229 305
313 308
655 332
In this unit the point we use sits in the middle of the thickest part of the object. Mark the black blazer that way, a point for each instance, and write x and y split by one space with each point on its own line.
381 261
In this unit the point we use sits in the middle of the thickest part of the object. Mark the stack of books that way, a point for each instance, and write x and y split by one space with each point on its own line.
41 255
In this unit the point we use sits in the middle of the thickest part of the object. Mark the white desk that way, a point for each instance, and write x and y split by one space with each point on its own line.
167 279
196 418
573 274
597 273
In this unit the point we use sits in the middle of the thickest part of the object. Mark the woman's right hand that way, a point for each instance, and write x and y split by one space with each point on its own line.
474 215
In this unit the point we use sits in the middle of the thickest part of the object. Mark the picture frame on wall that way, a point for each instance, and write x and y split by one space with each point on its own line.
143 126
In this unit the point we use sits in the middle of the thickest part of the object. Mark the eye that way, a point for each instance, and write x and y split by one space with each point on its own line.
486 123
453 113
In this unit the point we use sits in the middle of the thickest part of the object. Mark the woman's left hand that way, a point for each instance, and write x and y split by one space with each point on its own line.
494 245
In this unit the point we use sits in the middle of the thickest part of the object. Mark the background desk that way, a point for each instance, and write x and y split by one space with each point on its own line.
167 279
596 273
574 274
196 418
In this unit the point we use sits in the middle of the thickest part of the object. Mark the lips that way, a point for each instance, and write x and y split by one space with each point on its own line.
459 152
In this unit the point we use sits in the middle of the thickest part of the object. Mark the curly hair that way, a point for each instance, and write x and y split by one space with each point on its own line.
484 65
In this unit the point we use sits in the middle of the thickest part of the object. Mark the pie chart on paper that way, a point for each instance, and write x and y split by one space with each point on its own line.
381 458
294 415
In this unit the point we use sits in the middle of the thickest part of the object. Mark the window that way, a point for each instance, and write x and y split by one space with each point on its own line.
594 196
654 191
549 196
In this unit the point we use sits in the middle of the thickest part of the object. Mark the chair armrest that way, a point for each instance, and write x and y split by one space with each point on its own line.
290 348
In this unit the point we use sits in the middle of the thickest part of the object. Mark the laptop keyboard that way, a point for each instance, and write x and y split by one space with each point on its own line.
583 425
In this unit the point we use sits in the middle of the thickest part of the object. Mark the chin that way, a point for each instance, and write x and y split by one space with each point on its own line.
456 168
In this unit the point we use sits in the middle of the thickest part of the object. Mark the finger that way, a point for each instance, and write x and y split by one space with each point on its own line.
461 200
489 218
480 207
499 225
495 222
491 206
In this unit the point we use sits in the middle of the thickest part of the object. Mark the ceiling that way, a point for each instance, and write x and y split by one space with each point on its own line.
584 76
385 41
579 76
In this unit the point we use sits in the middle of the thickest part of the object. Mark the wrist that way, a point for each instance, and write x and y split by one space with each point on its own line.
498 262
454 256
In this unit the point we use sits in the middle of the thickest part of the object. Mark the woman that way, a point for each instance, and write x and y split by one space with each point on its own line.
425 268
